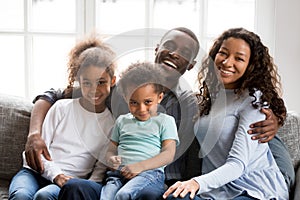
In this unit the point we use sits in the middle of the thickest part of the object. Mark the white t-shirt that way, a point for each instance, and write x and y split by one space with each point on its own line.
76 139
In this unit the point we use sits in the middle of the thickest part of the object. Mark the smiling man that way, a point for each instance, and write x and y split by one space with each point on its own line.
176 52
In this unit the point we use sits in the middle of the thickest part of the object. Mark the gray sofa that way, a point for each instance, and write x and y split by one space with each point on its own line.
14 124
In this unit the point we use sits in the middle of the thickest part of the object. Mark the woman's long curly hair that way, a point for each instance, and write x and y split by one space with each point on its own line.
86 52
261 74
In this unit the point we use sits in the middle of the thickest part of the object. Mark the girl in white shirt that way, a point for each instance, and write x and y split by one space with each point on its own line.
75 130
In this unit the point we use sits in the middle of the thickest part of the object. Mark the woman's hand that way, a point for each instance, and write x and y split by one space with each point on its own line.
266 129
180 189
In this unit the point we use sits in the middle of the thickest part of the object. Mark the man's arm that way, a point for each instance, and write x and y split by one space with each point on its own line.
35 145
265 129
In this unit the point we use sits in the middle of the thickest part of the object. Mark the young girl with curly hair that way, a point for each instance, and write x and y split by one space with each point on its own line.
236 80
74 130
73 65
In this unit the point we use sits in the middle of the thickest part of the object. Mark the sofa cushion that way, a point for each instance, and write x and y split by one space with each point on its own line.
14 126
4 189
290 135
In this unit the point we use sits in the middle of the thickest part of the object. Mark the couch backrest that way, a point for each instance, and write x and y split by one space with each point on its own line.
290 135
14 126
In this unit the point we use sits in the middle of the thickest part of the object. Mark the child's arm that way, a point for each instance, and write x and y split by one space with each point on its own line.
53 118
98 172
165 157
61 179
112 159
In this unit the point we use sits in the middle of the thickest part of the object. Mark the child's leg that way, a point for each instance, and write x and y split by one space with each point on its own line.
113 184
49 192
133 188
24 184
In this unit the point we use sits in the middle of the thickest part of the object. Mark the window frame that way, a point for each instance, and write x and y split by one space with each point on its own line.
86 22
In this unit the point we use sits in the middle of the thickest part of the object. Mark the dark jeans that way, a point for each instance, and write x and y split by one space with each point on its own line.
79 189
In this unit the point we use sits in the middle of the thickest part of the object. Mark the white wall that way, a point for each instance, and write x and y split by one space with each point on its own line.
287 49
278 25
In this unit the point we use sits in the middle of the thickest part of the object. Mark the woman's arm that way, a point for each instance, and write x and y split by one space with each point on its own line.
243 150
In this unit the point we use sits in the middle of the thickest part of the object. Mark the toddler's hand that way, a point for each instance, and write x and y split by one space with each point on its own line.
131 170
114 162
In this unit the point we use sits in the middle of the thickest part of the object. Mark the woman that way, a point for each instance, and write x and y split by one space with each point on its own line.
234 166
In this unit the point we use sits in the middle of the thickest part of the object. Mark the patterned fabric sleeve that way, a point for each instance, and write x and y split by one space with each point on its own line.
51 96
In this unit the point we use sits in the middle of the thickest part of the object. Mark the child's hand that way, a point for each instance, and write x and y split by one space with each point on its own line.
131 170
61 179
114 162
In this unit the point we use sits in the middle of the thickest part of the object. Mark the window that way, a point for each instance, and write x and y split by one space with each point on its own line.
206 18
35 38
37 35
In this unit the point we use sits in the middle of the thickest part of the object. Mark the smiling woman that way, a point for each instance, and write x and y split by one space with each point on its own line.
232 61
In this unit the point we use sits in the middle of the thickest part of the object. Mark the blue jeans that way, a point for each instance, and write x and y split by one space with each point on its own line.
119 188
79 189
27 184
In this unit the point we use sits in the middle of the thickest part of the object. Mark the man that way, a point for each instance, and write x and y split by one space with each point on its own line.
176 53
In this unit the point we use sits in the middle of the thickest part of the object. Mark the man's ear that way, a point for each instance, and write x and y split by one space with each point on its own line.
113 81
191 65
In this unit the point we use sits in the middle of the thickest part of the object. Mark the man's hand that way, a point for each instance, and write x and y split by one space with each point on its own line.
35 146
181 189
61 179
266 129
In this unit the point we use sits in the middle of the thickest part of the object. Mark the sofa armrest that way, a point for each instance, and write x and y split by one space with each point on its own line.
290 135
14 126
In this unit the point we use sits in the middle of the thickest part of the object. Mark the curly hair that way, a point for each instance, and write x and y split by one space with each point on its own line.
261 74
91 50
139 74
